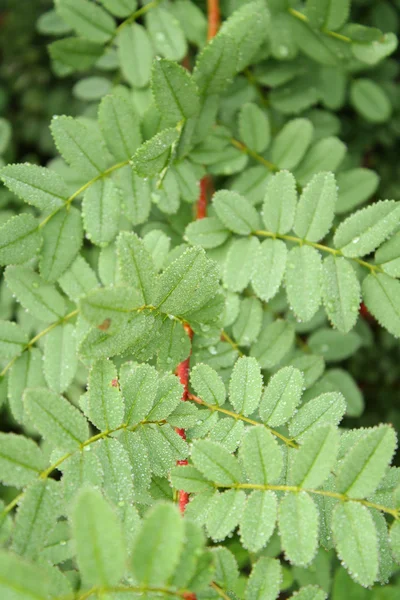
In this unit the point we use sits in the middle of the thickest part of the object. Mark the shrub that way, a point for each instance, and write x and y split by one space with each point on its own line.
209 231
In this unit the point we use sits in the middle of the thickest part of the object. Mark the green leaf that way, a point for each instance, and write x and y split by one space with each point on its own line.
80 470
36 517
239 264
20 239
265 580
153 156
166 33
370 100
316 206
375 50
25 372
87 19
56 419
365 463
381 295
344 383
91 88
226 568
261 456
21 580
273 343
247 26
214 67
208 384
168 396
120 127
21 460
78 280
258 521
340 292
158 245
387 256
139 385
101 211
315 458
98 538
310 592
235 212
334 345
120 8
224 513
136 195
41 299
74 54
366 229
13 339
245 385
326 409
298 526
136 266
331 14
105 402
215 462
156 549
269 268
173 346
280 201
174 91
135 54
62 239
248 324
117 469
60 357
254 127
137 330
356 541
325 155
394 538
291 143
189 479
303 281
208 232
281 396
355 187
110 308
35 185
187 285
81 146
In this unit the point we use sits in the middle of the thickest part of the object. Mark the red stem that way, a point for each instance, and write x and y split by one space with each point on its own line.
183 369
214 18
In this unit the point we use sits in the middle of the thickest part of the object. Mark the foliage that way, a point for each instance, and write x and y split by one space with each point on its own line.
116 303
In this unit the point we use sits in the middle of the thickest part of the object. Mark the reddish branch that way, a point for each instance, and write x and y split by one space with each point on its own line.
214 18
183 369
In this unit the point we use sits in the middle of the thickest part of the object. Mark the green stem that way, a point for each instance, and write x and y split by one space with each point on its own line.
321 247
297 489
243 148
136 15
138 589
238 417
302 17
38 336
82 189
99 436
226 338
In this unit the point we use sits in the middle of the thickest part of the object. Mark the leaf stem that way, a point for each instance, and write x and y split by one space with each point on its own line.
238 417
226 338
38 336
302 17
99 436
82 189
322 247
296 489
243 148
219 590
